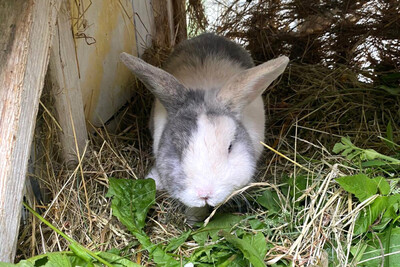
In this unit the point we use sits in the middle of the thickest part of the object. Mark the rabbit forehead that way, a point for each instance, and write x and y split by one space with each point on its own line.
215 129
201 128
193 110
208 148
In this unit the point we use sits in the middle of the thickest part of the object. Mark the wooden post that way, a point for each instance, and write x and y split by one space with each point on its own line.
66 89
27 28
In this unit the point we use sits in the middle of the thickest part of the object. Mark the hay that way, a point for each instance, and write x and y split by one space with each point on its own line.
311 107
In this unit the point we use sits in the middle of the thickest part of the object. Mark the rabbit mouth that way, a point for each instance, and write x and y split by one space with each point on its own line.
198 203
194 199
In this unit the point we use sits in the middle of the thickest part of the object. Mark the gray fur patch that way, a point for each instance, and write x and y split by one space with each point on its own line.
161 83
176 136
243 136
182 123
208 45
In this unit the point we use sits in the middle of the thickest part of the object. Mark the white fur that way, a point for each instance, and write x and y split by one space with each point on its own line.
159 120
211 171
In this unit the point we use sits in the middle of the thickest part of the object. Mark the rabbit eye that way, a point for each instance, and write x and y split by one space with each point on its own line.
230 148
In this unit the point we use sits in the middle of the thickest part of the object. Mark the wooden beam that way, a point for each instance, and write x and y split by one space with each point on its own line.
24 56
66 90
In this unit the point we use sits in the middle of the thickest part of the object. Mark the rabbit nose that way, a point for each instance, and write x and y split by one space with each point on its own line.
204 194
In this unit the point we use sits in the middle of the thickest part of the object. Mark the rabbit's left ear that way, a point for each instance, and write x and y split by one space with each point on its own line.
162 84
243 88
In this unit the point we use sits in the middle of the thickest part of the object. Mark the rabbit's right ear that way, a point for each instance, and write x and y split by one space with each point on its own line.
241 89
162 84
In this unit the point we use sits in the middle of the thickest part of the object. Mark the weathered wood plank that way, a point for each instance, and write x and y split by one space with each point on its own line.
102 30
144 25
23 67
66 90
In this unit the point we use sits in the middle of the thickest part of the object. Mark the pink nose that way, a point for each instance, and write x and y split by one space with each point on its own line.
204 193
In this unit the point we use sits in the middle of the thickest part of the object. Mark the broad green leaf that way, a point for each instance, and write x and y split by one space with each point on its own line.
164 259
218 223
69 259
248 250
177 241
346 148
367 218
383 185
76 261
258 242
117 261
216 254
346 152
353 155
374 163
358 250
350 151
256 224
58 260
382 224
298 185
234 260
359 185
132 199
339 147
270 201
229 262
390 241
114 251
390 213
346 141
202 254
370 154
23 263
393 203
201 237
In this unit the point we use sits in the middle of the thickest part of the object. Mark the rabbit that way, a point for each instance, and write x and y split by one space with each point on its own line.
208 118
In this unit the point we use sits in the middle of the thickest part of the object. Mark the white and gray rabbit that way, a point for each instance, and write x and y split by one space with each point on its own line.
208 118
